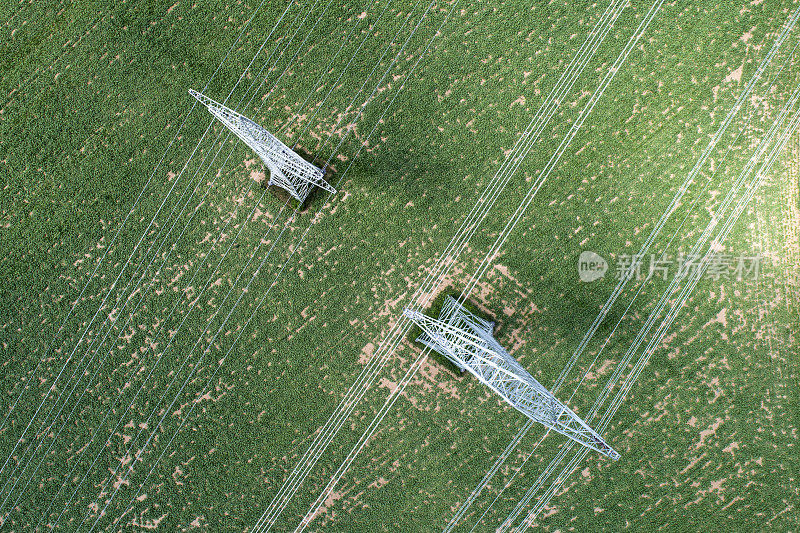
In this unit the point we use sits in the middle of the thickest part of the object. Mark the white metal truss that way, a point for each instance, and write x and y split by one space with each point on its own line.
287 170
467 341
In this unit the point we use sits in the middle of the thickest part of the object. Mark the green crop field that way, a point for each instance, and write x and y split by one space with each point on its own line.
174 334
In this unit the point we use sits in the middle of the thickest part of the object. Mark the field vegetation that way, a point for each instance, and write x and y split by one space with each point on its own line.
92 94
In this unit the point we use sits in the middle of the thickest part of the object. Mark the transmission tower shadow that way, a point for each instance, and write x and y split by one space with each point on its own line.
405 172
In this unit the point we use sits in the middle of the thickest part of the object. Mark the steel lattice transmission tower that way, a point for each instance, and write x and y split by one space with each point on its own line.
287 170
467 341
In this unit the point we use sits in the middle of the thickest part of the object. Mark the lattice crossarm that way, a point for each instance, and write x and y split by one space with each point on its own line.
483 355
433 345
296 175
206 101
440 330
478 352
452 310
313 176
277 177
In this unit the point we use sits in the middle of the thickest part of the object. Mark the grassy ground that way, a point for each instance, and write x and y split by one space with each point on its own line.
93 92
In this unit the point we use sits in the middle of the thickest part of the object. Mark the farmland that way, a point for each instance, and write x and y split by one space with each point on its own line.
95 93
